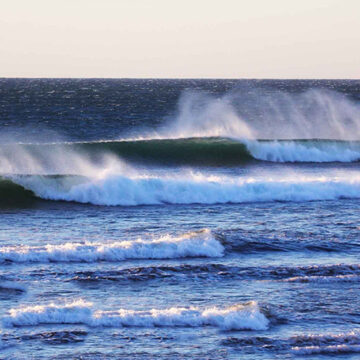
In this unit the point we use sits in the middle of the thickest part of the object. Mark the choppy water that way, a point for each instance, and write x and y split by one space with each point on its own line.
197 219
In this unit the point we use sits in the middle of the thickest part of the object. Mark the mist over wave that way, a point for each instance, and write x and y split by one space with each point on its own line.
257 114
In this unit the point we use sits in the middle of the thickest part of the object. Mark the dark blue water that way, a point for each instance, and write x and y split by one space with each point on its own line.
191 219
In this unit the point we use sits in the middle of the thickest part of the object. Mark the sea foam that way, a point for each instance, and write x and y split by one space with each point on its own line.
237 317
306 151
195 244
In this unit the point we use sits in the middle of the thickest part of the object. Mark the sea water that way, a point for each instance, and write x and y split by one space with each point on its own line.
179 219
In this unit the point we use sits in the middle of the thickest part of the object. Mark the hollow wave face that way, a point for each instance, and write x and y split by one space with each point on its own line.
195 244
191 188
237 317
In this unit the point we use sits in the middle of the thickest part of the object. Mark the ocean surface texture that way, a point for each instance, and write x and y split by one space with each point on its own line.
179 219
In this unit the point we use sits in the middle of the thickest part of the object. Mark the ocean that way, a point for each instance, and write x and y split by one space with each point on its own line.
179 219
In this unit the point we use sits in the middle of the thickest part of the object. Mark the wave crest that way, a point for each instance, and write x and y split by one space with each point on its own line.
191 188
195 244
238 317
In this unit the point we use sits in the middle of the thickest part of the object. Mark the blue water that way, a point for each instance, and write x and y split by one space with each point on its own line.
179 219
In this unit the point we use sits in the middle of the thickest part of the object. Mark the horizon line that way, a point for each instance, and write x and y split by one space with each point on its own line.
167 78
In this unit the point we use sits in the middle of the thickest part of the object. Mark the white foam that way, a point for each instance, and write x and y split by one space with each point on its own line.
324 279
311 151
194 188
194 244
236 317
329 349
326 343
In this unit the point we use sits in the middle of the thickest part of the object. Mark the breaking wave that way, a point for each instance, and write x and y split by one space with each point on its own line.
199 151
184 189
196 244
238 317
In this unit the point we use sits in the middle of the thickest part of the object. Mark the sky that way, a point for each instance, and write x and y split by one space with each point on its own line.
180 38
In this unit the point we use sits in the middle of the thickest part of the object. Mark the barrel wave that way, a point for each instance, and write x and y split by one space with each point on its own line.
204 151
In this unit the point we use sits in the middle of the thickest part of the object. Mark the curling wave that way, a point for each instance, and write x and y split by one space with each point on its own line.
238 317
196 244
202 151
190 189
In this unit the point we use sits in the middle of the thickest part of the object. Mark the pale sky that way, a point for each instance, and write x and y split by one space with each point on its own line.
180 38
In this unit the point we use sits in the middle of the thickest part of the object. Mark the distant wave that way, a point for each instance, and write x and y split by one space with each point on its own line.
238 317
302 344
11 286
195 244
206 151
183 189
326 343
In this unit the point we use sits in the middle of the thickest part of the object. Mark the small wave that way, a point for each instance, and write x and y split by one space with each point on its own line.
238 317
12 286
122 190
304 344
195 244
57 337
213 271
329 349
324 279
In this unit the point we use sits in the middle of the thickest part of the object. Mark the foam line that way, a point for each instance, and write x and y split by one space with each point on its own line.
196 244
237 317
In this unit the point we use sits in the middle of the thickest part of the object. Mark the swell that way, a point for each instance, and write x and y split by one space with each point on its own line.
214 271
207 151
302 344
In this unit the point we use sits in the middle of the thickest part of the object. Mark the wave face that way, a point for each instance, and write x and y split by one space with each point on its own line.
196 244
237 317
202 151
189 189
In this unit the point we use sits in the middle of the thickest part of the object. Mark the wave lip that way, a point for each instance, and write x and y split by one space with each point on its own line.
195 244
238 317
